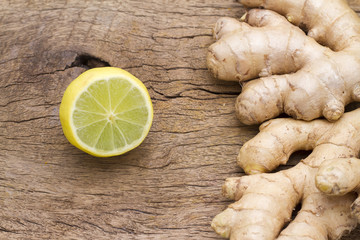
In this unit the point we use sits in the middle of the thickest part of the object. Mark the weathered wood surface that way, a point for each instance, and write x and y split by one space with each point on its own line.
169 187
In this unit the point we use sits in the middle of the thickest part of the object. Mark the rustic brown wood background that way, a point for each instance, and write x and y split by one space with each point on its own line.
170 186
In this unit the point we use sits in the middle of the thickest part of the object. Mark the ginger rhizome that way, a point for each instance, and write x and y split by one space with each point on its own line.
304 75
265 201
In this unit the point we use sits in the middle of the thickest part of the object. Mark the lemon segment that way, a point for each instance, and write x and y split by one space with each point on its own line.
106 112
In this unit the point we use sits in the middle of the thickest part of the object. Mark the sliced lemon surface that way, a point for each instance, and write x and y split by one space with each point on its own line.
106 112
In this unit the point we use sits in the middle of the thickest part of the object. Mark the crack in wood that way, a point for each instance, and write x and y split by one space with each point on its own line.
88 61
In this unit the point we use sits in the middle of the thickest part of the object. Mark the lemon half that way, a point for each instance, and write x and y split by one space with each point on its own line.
106 112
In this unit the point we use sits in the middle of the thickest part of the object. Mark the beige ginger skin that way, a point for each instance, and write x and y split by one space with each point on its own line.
265 201
305 76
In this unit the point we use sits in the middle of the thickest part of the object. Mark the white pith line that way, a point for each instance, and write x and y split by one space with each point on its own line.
132 123
101 132
87 125
130 110
81 110
111 112
106 111
122 134
122 99
113 138
108 88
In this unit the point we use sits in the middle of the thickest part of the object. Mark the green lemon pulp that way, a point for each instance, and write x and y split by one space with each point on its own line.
111 115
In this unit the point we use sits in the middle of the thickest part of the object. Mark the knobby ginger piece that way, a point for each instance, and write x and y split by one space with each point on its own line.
325 183
305 76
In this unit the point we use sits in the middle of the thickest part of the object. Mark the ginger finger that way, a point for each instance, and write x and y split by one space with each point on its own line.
234 188
244 55
264 98
228 25
269 89
265 202
258 214
338 176
316 219
332 23
277 140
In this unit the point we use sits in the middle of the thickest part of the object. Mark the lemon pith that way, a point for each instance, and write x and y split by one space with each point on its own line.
106 112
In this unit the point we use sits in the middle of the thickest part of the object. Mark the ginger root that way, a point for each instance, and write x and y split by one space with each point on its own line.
265 201
305 76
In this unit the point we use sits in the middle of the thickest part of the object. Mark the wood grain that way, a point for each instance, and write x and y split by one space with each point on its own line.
170 186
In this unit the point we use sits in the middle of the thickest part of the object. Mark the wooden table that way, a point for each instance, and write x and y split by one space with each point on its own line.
170 186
